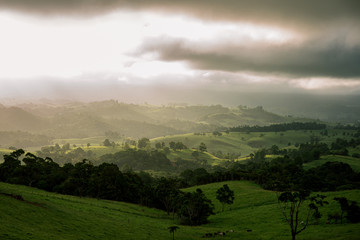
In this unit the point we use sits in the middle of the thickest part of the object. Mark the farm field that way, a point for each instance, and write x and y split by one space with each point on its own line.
45 215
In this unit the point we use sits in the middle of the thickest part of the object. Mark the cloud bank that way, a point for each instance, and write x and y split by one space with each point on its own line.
322 45
316 57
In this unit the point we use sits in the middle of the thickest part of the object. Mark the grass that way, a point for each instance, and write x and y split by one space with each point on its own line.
257 210
246 143
353 162
186 155
47 215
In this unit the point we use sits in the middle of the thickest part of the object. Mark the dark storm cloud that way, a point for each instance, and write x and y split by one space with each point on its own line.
304 14
315 57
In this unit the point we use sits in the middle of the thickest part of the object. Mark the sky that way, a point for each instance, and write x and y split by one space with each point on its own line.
181 50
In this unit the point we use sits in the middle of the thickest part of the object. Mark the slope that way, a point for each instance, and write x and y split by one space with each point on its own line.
44 215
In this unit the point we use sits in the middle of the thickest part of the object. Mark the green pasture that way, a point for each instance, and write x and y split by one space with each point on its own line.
246 143
353 162
186 154
257 210
254 215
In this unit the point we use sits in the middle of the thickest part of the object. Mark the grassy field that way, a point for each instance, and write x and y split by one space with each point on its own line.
353 162
246 143
46 215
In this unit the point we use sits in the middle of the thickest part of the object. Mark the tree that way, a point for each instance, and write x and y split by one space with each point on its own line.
32 168
351 209
180 146
166 150
195 154
143 142
107 143
202 147
344 205
158 145
10 166
172 230
167 193
172 145
66 147
274 149
225 195
195 208
217 133
260 155
292 202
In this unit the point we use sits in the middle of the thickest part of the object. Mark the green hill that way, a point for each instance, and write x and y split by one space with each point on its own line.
353 162
246 143
44 215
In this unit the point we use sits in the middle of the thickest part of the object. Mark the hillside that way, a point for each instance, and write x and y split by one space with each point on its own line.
44 215
244 143
82 120
18 119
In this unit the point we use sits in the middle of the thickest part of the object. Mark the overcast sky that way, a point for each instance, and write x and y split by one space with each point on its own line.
49 47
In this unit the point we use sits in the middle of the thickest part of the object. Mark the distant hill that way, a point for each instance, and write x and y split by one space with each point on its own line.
18 119
79 120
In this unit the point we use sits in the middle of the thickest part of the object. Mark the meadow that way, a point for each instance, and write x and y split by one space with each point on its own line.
254 215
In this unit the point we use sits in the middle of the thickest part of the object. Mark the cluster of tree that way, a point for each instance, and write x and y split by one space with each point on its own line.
159 145
308 152
280 127
347 127
202 147
143 142
348 209
217 133
340 146
199 134
138 159
177 145
172 145
106 181
65 153
282 173
107 143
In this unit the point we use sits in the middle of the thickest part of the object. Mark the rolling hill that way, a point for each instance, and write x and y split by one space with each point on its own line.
254 215
79 120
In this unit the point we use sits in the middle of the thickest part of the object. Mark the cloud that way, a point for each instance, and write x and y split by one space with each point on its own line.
328 44
314 57
279 12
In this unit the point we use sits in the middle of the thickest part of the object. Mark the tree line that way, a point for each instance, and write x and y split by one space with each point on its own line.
280 127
